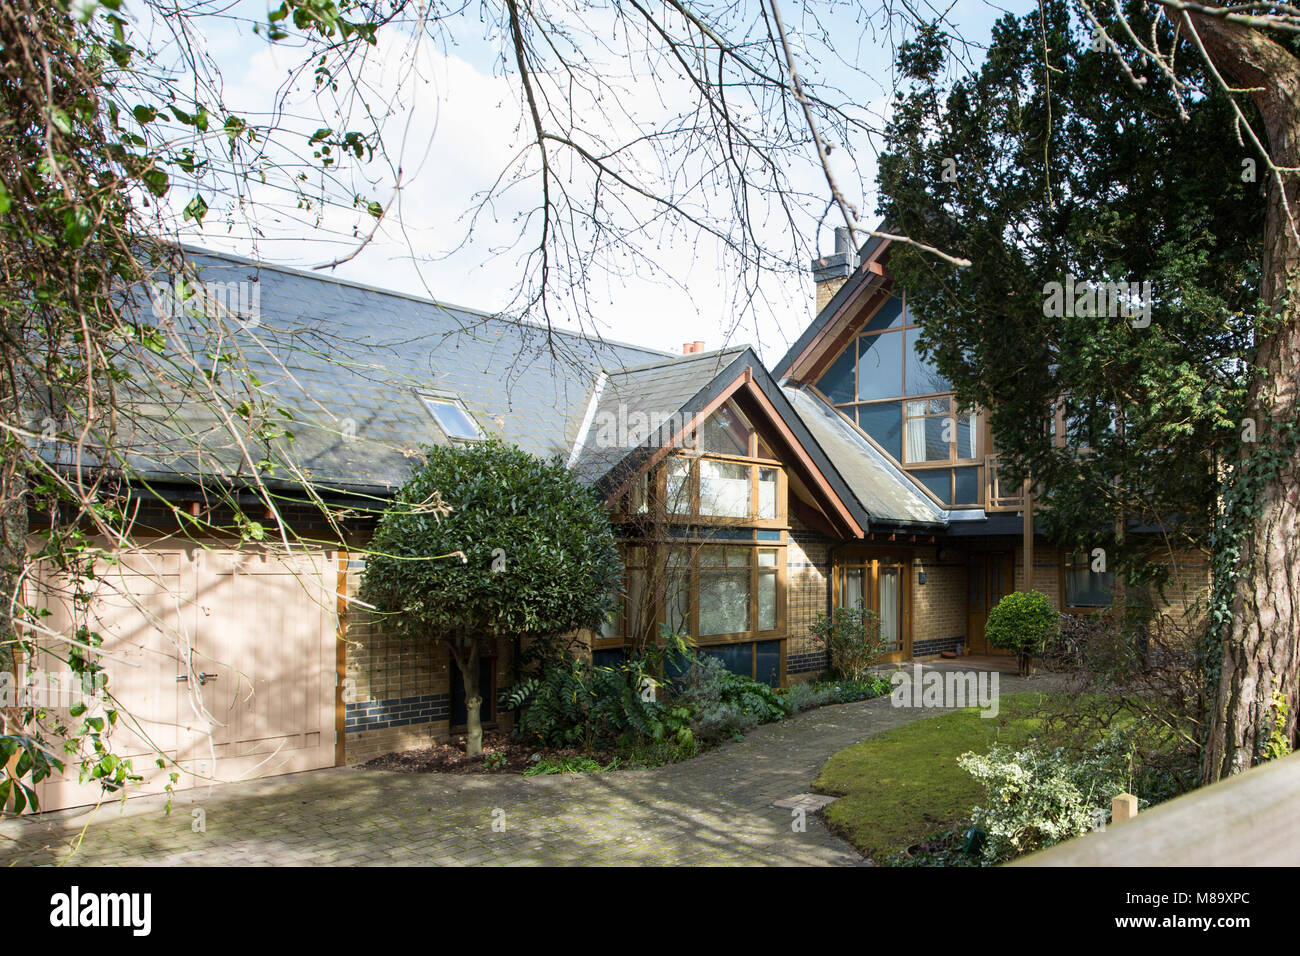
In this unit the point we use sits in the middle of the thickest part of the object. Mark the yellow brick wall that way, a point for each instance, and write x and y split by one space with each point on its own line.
806 592
385 677
938 605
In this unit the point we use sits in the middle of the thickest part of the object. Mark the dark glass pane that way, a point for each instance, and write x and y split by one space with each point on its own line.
967 484
888 316
837 383
937 431
767 663
884 423
880 366
608 658
938 481
1085 587
737 658
927 439
922 377
965 436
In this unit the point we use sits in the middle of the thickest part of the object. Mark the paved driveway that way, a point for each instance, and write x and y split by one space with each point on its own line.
715 809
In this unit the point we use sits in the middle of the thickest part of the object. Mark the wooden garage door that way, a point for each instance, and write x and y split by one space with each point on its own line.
222 660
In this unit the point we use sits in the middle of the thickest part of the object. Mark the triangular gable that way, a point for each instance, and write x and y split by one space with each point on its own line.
613 470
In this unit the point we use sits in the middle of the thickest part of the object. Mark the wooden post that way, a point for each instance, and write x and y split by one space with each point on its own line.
1123 807
1028 545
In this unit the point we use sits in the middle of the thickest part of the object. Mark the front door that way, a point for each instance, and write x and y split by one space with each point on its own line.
990 576
880 585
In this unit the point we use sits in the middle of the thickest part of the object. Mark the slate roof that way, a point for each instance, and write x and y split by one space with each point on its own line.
350 361
882 490
665 394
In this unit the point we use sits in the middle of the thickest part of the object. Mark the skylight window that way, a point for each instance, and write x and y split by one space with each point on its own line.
452 418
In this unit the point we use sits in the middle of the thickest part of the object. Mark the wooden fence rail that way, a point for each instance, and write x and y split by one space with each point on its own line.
1252 819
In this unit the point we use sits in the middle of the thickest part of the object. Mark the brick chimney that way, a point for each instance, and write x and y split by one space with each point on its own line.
831 272
690 348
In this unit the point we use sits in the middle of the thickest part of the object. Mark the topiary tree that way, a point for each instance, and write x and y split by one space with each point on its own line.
487 541
1024 622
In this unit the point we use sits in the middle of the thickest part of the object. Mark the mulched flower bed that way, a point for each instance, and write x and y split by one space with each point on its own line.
450 757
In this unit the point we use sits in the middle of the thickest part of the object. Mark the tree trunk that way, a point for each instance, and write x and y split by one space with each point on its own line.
13 556
468 662
1263 646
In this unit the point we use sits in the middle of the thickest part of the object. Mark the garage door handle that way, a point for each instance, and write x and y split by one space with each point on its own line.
203 678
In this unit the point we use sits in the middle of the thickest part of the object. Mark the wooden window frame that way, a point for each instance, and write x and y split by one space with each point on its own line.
870 563
849 410
694 517
1082 609
693 573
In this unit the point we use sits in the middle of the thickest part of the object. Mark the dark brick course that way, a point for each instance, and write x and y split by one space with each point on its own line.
396 712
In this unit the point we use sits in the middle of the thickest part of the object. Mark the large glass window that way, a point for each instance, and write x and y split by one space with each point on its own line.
716 491
725 595
880 366
736 589
906 407
724 489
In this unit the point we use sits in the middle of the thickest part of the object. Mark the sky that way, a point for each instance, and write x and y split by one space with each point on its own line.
457 121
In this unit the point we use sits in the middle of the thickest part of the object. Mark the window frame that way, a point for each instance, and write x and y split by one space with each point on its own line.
428 399
1067 565
849 411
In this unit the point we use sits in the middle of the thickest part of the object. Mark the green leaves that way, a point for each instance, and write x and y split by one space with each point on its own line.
560 561
195 209
77 224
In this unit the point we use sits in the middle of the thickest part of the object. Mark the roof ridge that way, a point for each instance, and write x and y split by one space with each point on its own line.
683 359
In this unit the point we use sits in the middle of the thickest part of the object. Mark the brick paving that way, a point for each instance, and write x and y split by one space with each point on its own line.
713 810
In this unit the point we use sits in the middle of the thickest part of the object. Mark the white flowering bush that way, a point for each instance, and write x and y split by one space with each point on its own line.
1034 798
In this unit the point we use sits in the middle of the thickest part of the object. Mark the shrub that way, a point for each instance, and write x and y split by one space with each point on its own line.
723 704
1024 622
577 704
806 696
812 694
1035 798
851 636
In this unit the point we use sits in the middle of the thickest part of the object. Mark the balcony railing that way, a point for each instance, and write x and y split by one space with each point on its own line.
997 496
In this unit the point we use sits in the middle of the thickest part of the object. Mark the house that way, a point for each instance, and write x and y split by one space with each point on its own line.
747 500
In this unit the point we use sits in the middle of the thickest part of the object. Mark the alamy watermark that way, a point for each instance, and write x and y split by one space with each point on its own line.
626 428
932 688
1075 298
241 300
48 689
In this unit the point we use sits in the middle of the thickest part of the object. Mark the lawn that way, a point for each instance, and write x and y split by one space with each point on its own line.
903 785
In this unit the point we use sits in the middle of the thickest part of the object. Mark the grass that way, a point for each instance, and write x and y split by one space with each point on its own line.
903 785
